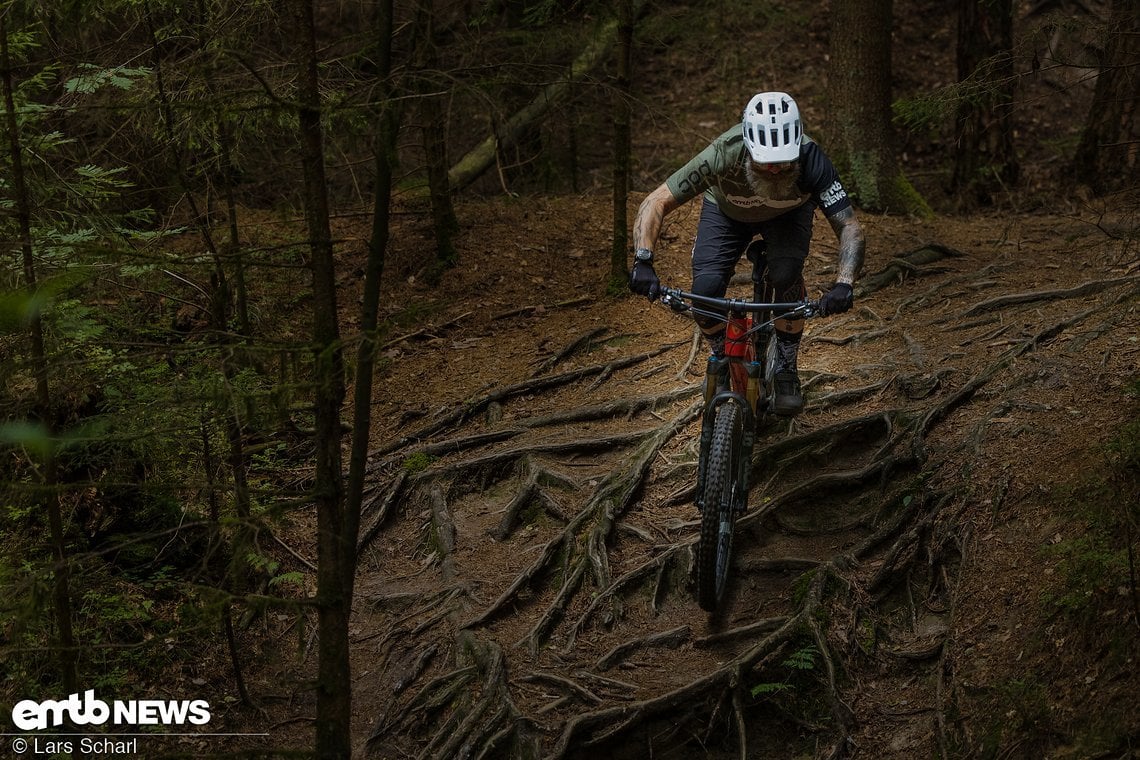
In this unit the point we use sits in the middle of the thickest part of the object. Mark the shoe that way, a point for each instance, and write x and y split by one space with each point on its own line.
787 395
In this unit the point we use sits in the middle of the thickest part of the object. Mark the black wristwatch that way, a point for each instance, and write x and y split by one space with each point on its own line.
643 255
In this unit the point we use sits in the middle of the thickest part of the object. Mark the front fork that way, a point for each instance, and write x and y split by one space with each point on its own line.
716 393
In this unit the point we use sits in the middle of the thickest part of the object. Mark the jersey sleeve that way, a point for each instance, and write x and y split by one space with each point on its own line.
702 170
821 179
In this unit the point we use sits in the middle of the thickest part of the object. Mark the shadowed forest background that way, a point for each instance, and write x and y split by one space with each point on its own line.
324 399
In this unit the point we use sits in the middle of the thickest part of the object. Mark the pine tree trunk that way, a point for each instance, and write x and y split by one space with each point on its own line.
67 652
863 143
335 550
986 161
386 132
434 133
622 145
1106 157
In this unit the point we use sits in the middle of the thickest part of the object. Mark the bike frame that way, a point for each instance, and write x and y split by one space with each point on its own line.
740 376
735 396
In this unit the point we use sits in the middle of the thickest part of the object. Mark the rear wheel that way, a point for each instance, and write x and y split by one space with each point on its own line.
718 514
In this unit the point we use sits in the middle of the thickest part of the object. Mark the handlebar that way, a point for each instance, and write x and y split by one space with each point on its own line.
682 301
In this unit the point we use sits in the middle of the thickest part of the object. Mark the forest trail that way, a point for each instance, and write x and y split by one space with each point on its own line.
524 585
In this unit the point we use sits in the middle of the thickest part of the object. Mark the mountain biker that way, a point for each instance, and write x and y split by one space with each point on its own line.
763 180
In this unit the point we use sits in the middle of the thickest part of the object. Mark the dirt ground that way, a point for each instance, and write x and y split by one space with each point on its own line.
578 612
524 586
969 622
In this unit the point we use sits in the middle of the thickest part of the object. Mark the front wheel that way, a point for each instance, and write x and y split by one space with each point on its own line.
718 513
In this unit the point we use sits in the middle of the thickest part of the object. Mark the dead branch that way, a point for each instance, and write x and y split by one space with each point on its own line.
484 155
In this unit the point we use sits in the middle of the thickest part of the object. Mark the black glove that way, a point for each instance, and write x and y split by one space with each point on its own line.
643 280
837 300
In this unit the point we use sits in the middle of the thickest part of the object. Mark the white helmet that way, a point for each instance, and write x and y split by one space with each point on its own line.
771 127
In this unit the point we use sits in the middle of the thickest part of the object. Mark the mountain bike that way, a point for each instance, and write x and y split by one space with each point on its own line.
737 394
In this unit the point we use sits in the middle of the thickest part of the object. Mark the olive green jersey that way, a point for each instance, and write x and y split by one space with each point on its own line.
719 172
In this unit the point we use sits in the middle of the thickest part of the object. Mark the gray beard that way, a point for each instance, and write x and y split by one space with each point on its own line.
773 187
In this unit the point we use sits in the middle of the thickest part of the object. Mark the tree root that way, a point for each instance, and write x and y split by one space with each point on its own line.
387 497
593 728
900 266
907 544
1084 289
576 346
474 726
475 407
596 521
671 638
531 490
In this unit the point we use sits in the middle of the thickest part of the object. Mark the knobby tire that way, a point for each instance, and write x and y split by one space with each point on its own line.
718 515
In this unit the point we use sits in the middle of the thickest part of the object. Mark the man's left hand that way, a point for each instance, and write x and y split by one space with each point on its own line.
837 300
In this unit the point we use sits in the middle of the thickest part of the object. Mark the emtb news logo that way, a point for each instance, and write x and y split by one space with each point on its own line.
30 715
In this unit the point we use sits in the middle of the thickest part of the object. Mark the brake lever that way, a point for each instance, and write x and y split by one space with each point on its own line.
677 305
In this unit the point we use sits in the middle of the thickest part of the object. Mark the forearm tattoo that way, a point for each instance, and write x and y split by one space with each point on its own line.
851 245
646 227
650 217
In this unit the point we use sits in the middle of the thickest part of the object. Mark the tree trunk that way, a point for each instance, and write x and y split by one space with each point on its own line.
434 133
386 132
985 162
860 113
335 550
1106 157
68 654
622 147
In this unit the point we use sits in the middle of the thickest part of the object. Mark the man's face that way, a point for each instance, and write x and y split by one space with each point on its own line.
774 181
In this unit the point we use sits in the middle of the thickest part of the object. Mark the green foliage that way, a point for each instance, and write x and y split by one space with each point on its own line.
92 78
798 663
418 462
934 109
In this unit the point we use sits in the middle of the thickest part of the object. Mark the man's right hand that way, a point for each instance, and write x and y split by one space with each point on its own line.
643 280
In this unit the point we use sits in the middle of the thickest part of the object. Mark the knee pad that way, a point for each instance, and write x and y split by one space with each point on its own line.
710 284
713 286
787 280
